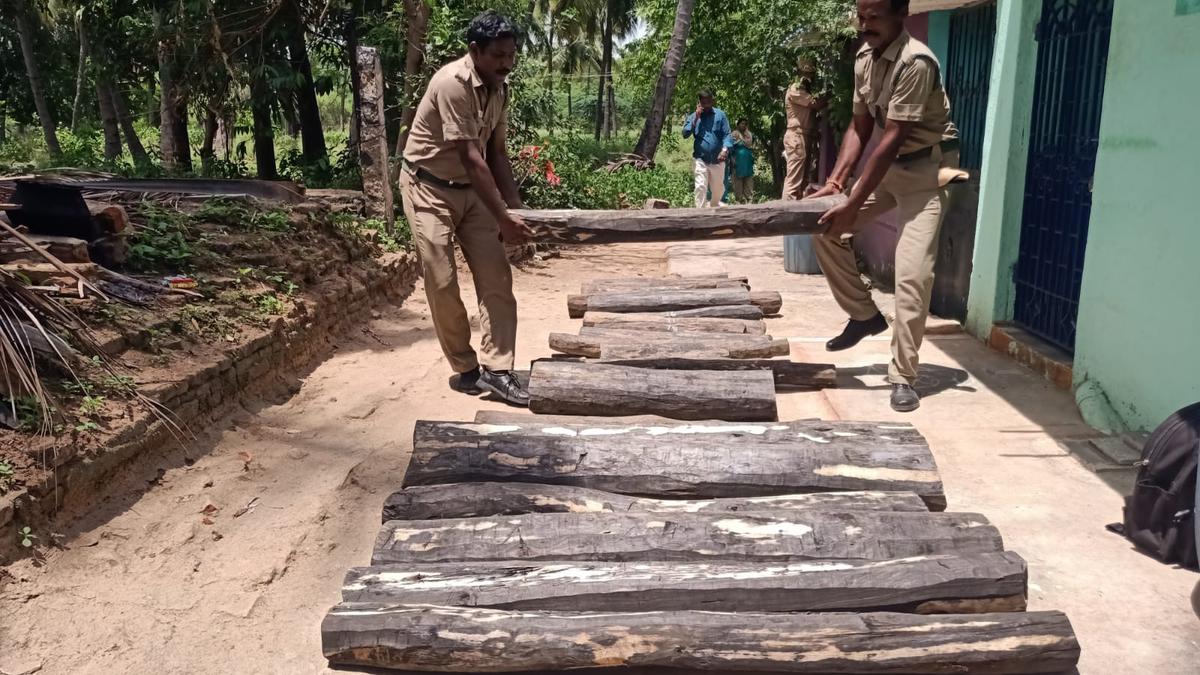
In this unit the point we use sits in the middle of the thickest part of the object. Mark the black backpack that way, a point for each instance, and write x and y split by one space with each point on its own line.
1160 515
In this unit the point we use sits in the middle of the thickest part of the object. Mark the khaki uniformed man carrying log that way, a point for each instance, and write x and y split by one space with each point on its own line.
457 185
898 88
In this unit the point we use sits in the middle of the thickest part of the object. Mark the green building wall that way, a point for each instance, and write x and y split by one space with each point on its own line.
1137 355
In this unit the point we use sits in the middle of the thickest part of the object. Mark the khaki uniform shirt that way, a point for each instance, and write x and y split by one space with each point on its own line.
798 106
457 106
904 84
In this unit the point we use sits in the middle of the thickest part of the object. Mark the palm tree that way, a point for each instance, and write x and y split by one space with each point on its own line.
664 91
619 19
27 25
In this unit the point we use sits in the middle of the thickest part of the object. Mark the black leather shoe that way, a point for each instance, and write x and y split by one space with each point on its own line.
904 398
504 383
467 383
855 331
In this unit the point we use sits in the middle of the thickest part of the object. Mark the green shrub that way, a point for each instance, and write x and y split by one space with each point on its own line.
574 174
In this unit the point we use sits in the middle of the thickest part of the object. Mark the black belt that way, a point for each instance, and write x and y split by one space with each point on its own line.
427 177
946 146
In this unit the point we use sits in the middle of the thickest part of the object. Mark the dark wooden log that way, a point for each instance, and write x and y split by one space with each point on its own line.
472 639
483 500
612 351
745 312
778 536
661 283
939 584
770 302
660 323
508 416
112 218
769 219
651 300
560 388
786 373
592 342
701 460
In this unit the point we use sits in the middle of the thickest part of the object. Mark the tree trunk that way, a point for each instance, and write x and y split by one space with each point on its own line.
27 34
3 122
664 91
80 76
469 639
312 134
681 461
182 142
764 536
373 147
775 147
560 388
606 343
352 138
417 14
985 582
610 119
108 120
136 150
168 98
207 147
602 121
488 500
769 219
264 130
652 300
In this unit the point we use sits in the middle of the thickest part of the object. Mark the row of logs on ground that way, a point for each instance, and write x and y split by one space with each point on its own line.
693 534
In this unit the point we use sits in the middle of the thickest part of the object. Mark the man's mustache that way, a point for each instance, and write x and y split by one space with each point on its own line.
870 33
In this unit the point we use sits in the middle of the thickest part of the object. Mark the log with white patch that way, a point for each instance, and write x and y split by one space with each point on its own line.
649 321
786 373
697 460
561 388
464 639
623 284
596 342
475 500
987 582
509 416
637 536
653 300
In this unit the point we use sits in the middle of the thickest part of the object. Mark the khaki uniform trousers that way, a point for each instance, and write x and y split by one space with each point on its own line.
743 189
795 147
439 216
912 188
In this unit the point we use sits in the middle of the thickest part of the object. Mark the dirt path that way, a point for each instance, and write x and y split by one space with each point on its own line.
147 586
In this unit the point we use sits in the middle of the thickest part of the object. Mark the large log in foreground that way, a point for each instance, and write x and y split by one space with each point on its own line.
652 300
595 342
769 219
649 321
764 536
466 639
562 388
620 285
485 500
702 460
941 584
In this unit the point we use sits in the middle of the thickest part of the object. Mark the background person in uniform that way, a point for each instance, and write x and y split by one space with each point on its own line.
709 129
799 141
743 162
898 88
457 185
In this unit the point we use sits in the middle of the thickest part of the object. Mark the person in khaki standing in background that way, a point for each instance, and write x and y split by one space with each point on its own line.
457 185
800 108
898 89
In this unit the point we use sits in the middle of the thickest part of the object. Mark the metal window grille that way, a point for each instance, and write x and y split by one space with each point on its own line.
968 75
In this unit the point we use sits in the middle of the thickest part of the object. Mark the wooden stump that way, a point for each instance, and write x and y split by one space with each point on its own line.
626 285
595 342
766 536
659 323
586 389
484 500
702 460
372 146
939 584
651 300
769 219
465 639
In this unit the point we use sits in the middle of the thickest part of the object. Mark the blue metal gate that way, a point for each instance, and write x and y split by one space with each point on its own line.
1073 38
968 74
